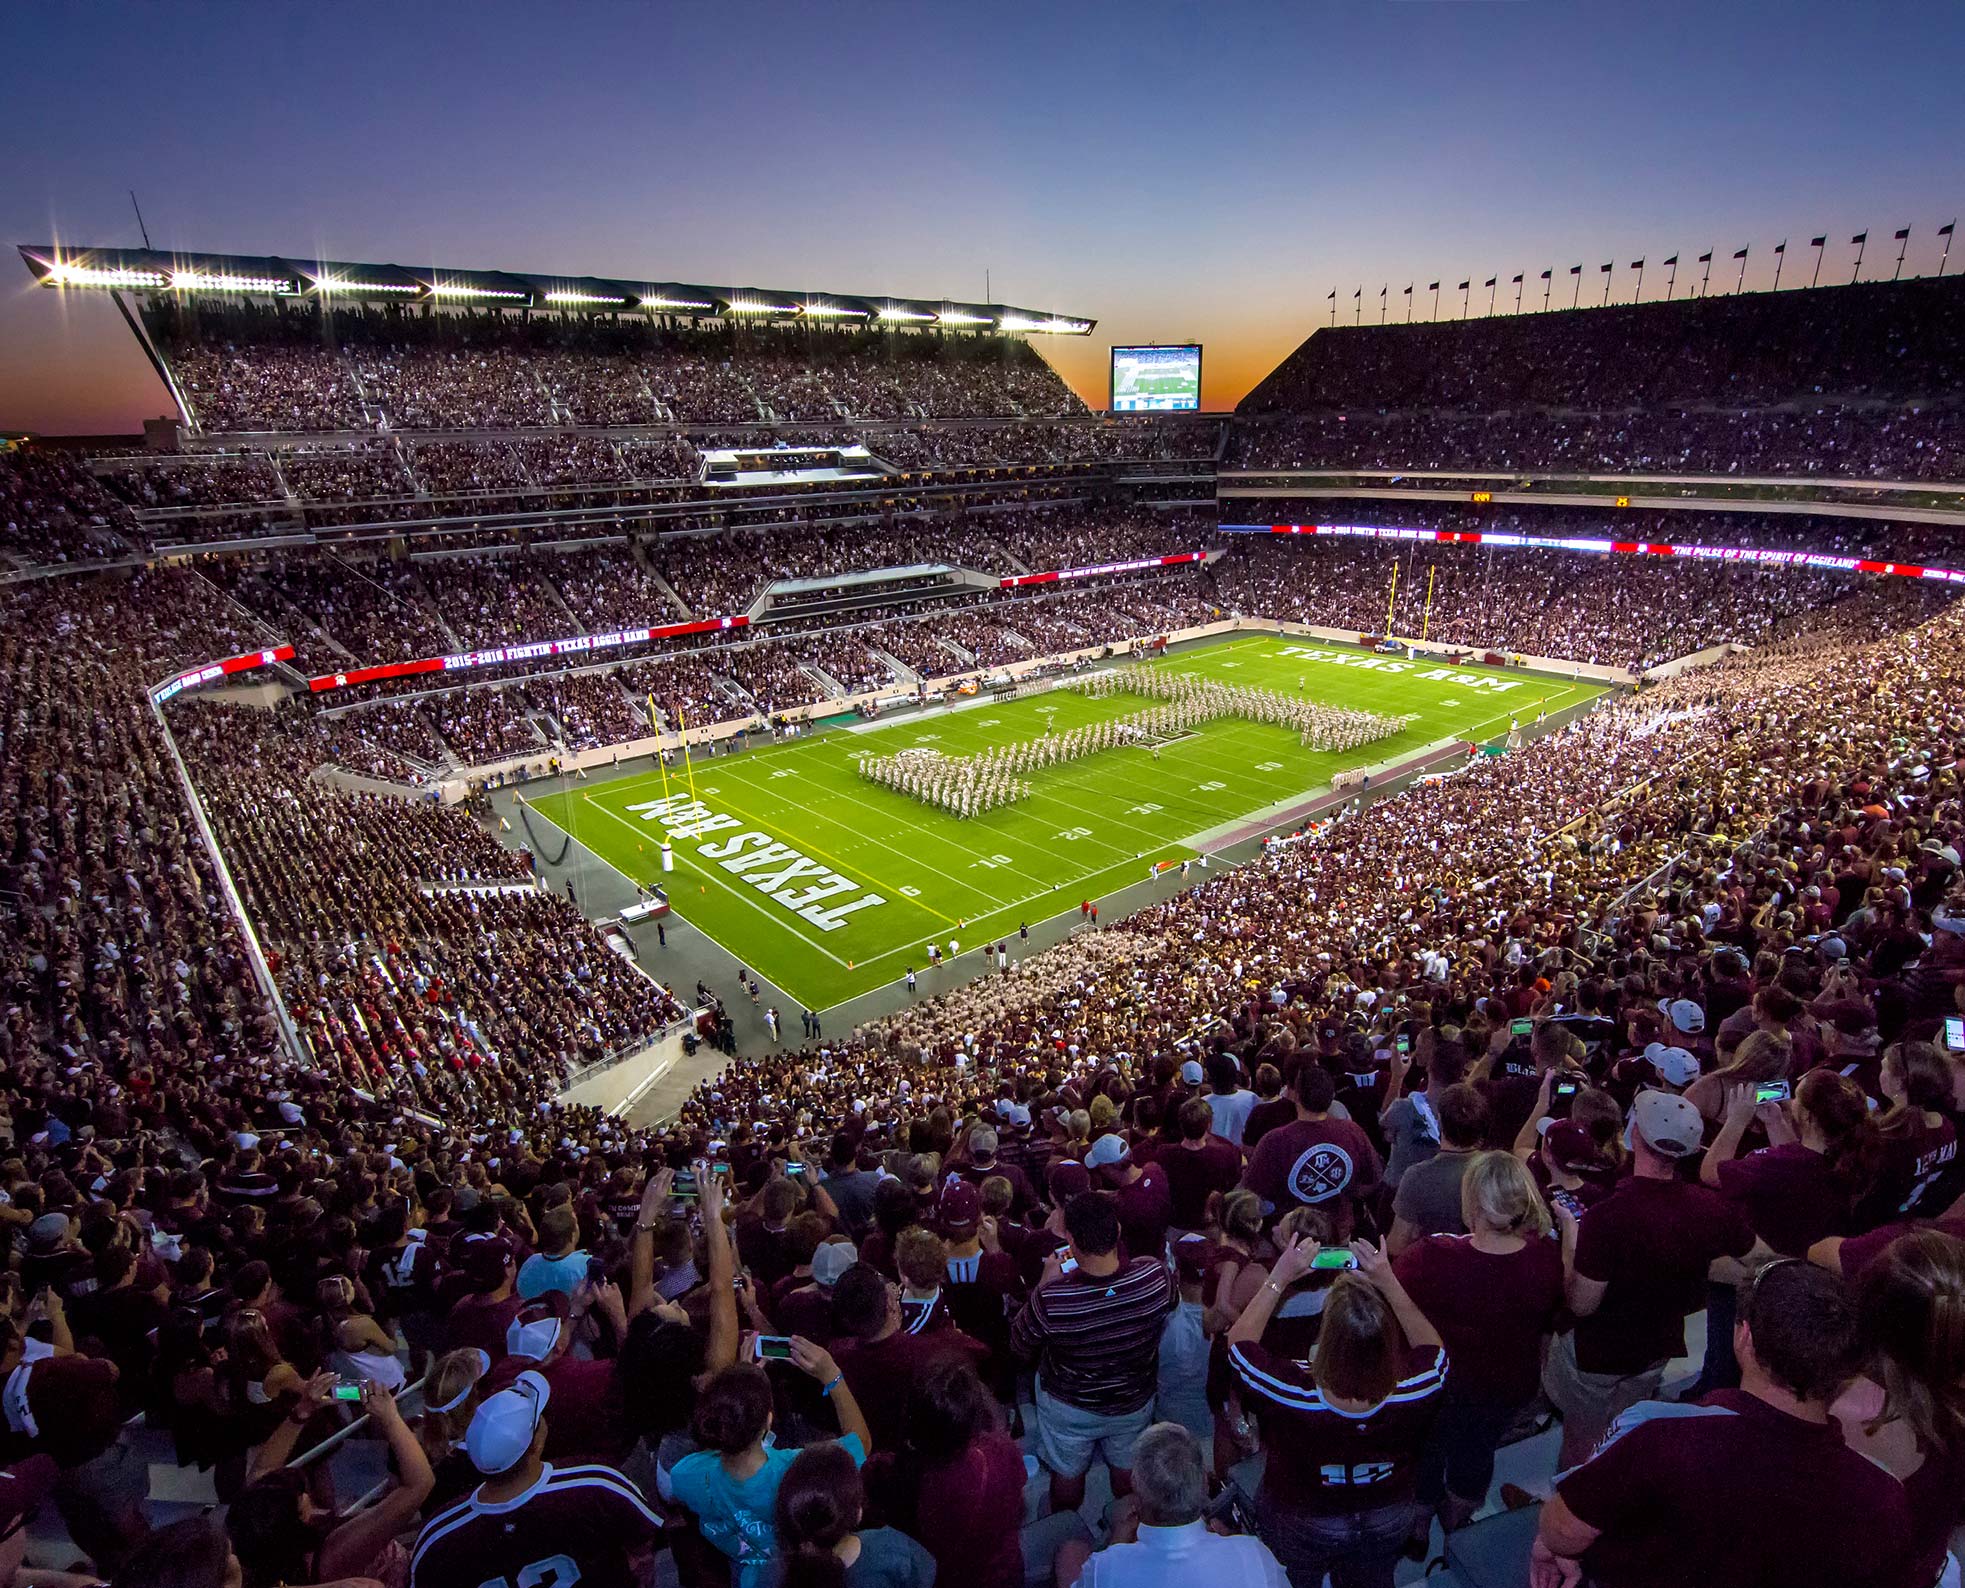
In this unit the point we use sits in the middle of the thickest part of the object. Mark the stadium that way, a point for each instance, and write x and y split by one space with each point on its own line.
670 933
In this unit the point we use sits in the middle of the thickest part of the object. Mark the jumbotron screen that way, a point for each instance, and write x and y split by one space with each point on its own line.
1156 380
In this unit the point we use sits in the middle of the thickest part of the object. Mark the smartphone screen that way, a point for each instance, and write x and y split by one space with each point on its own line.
1333 1257
1566 1088
1565 1200
347 1390
1404 1043
1521 1028
1068 1266
1955 1033
1771 1092
772 1347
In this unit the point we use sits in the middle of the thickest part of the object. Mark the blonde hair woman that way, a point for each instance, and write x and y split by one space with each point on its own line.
1497 1292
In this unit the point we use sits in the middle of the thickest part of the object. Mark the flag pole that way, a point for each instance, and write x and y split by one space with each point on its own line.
1861 240
1818 245
1945 232
1548 286
1638 292
1671 280
1742 281
1518 292
1780 258
1706 259
1903 246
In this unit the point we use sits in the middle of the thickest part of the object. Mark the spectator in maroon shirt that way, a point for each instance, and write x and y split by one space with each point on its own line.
764 1239
807 1308
1316 1160
879 1358
1200 1164
1823 1153
1917 1136
1907 1413
1141 1195
1343 1433
1272 1107
1634 1269
1747 1486
976 1158
480 1319
1497 1294
956 1483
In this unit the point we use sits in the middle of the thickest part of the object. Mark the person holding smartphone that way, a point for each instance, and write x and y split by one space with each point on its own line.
1343 1433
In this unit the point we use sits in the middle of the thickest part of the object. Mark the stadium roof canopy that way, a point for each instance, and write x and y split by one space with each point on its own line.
147 270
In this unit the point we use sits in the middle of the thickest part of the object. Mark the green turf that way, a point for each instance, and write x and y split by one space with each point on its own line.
1089 826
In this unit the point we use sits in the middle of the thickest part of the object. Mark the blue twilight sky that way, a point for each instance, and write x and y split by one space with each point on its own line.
1179 171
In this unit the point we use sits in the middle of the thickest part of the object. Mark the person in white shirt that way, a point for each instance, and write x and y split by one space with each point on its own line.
1173 1547
1228 1100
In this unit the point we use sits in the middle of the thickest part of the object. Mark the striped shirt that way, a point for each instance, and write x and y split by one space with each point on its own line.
1096 1342
574 1525
1329 1462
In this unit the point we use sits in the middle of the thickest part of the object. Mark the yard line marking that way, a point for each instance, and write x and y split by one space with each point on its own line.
913 826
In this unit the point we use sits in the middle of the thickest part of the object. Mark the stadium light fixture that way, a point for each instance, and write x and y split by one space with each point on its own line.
1054 326
583 297
446 289
904 316
210 281
830 311
345 284
961 317
657 301
753 306
61 275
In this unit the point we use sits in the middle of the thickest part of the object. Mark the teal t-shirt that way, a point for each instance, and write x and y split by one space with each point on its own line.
741 1518
890 1559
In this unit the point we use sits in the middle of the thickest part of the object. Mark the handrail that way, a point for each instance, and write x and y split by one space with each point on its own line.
342 1435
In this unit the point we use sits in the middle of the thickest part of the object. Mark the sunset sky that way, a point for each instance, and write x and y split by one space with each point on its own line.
1203 172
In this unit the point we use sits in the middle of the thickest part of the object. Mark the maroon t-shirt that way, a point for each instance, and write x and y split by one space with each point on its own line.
1732 1490
1651 1242
575 1525
479 1321
586 1417
881 1373
1193 1175
966 1514
74 1404
1331 1463
805 1309
1789 1194
1492 1311
1313 1162
1146 1208
1265 1117
1859 1251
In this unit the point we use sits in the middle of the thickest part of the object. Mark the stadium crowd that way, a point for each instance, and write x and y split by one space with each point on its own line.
1284 1189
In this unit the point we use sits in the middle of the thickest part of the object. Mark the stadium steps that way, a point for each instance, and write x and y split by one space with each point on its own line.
904 675
961 653
552 591
655 575
833 688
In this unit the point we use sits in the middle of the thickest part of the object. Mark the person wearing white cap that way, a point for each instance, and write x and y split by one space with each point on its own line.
529 1521
1634 1267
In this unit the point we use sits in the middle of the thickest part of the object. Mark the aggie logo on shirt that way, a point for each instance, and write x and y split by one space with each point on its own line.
1321 1173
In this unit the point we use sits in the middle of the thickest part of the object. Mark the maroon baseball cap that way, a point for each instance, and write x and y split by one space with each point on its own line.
961 1209
483 1259
1569 1145
1068 1179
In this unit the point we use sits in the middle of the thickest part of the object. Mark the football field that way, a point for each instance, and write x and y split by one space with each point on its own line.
830 885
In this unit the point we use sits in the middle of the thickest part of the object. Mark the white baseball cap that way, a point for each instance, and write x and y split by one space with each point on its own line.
1108 1149
501 1430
